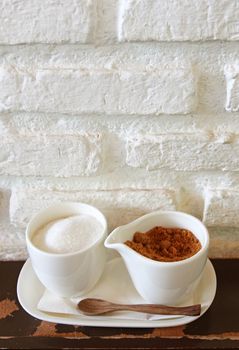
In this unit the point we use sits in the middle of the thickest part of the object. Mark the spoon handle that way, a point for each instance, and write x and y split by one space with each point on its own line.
192 310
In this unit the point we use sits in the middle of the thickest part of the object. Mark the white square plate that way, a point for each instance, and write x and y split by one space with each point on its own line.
30 292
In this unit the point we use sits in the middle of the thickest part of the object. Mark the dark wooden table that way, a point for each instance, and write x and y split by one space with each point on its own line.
218 328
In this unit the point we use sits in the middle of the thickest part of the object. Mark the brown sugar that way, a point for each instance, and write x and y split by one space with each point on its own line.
165 244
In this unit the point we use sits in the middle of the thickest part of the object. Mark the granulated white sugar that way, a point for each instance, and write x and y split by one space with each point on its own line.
71 234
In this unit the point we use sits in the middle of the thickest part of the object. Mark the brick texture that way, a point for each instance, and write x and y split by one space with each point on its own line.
97 91
46 21
185 154
221 208
58 156
232 81
174 20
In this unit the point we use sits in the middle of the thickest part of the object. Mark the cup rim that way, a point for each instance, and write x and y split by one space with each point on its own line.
62 205
169 264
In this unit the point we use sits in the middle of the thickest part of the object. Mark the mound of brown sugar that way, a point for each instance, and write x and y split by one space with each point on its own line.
165 244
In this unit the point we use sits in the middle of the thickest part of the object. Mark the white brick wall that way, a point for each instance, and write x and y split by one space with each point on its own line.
51 155
221 208
174 20
132 91
180 152
232 80
46 21
129 105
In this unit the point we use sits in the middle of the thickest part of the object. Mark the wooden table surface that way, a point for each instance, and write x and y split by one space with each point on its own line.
217 328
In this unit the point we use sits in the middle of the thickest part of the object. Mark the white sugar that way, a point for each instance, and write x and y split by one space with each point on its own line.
68 235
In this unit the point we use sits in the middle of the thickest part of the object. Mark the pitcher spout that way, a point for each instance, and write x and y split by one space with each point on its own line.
114 241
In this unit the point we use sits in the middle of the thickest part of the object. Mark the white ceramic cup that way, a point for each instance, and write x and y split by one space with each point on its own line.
162 282
67 274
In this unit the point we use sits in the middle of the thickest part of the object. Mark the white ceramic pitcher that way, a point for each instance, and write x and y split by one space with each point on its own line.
162 282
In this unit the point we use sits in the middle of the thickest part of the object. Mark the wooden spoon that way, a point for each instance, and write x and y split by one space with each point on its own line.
91 306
